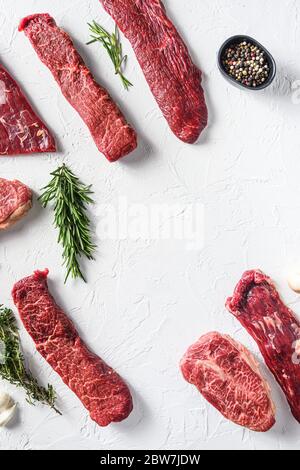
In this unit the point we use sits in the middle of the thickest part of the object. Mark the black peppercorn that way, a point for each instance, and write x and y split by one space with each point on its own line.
246 63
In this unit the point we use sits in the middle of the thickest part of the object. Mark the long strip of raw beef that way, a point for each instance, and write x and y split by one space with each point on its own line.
228 376
21 130
274 327
173 78
98 386
15 202
109 129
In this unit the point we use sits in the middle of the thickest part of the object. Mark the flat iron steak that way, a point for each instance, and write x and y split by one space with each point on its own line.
101 390
21 130
172 76
15 202
258 307
107 125
228 376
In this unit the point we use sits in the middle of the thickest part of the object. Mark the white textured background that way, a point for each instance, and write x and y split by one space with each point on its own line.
145 302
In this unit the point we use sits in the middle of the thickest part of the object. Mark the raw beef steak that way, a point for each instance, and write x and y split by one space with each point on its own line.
228 376
21 130
111 133
165 60
274 327
15 202
98 386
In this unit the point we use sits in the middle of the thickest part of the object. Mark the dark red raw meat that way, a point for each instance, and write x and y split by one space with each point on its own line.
15 202
228 376
109 129
274 327
98 386
21 130
165 60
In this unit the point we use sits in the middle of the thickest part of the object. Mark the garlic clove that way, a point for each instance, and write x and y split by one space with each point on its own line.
294 281
5 401
7 408
6 416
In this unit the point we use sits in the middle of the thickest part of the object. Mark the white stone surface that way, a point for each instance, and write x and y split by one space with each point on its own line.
146 301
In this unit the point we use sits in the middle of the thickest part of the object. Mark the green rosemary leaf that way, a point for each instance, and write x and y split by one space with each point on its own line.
70 198
12 366
112 44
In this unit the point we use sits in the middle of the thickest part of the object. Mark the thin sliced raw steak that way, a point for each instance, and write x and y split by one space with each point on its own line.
21 130
109 129
274 327
100 388
165 60
15 202
228 376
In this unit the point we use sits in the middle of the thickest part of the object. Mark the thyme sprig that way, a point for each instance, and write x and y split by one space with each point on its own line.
70 198
111 42
12 366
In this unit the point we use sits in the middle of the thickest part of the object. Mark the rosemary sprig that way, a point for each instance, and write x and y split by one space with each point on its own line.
111 42
12 367
70 198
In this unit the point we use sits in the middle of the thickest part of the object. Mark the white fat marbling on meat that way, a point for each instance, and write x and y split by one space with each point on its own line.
2 93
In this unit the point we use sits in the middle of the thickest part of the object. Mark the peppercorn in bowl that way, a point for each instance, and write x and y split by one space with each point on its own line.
246 63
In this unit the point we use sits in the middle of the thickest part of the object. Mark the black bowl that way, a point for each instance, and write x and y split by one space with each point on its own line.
235 40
